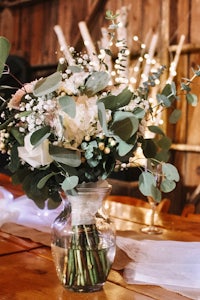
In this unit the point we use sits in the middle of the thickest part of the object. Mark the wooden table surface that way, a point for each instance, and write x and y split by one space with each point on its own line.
27 271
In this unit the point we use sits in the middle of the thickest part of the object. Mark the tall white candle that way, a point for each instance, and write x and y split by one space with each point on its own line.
89 44
63 45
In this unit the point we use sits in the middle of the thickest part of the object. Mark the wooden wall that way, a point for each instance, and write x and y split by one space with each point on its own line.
29 27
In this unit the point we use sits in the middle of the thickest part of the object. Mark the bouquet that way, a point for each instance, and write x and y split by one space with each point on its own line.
74 126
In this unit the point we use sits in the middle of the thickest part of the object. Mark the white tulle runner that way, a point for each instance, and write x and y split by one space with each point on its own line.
23 211
171 264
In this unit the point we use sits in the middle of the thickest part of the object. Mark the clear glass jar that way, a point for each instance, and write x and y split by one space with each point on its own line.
83 240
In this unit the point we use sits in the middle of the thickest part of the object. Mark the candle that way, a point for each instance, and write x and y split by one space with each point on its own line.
63 45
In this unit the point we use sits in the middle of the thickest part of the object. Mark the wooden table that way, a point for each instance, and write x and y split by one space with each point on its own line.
27 271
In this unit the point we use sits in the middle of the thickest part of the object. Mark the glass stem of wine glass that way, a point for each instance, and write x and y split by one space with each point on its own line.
153 207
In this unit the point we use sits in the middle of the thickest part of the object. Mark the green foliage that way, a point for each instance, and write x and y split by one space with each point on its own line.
113 102
95 83
47 85
65 156
162 179
40 135
68 105
4 52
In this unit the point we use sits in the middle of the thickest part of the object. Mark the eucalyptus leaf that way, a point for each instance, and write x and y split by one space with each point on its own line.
156 194
163 99
164 143
175 116
163 155
40 135
173 88
68 105
75 69
47 85
139 113
123 148
170 172
149 148
65 156
124 125
168 92
146 182
44 180
167 185
102 117
70 183
5 124
113 102
192 99
96 83
197 72
185 87
17 135
14 159
30 187
52 204
156 129
4 51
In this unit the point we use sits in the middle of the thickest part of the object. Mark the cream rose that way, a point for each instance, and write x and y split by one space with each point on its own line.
84 122
35 156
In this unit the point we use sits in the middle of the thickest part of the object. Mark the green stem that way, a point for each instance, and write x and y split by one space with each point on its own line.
86 264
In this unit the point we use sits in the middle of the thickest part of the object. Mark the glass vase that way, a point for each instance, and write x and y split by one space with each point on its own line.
83 240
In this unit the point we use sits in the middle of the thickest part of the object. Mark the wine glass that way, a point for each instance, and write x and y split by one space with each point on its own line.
151 228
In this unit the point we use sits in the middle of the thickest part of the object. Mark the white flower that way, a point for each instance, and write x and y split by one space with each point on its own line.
84 123
72 84
35 156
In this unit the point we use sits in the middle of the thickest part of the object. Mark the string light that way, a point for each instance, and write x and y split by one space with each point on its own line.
135 38
86 43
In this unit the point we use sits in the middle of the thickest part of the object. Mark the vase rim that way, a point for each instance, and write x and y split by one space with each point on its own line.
97 189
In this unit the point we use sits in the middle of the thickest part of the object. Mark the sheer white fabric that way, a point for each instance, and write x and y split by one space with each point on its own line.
171 264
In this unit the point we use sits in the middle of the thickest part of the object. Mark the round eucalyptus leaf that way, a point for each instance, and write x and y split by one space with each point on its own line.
146 182
149 148
163 99
96 82
163 155
192 99
164 143
175 116
123 148
170 172
156 194
70 183
167 185
124 125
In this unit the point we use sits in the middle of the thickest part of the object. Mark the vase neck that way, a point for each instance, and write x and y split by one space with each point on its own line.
86 203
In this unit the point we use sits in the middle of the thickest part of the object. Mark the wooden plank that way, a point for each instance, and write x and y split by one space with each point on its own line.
29 276
6 23
12 244
187 48
193 125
